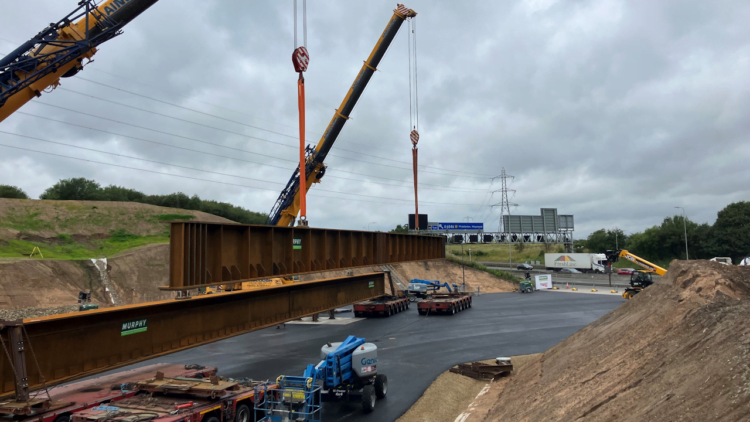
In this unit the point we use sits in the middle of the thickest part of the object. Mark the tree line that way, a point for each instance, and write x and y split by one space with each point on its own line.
82 189
729 236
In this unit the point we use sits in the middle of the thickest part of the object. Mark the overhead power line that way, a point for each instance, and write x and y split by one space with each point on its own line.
218 129
190 168
240 123
439 187
181 107
243 124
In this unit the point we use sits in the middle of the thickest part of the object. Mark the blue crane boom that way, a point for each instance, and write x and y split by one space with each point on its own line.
336 368
432 285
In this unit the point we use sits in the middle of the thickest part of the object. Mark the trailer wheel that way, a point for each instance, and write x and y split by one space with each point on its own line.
63 418
469 302
421 312
368 399
451 311
242 414
381 386
388 311
212 419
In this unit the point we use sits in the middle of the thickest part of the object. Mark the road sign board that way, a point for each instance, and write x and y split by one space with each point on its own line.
459 226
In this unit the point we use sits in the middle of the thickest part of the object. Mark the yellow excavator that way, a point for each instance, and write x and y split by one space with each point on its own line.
640 279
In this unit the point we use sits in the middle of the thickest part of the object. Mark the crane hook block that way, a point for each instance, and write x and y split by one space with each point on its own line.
300 58
414 137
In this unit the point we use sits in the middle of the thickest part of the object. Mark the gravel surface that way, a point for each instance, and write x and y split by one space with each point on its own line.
15 314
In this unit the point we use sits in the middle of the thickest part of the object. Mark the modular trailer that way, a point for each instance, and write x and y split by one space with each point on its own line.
382 306
444 303
69 399
161 399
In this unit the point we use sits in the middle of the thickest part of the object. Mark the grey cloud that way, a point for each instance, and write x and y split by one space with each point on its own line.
614 111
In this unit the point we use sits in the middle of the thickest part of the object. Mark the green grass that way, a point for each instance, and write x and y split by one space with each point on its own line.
172 217
120 241
27 221
502 274
65 238
58 230
499 252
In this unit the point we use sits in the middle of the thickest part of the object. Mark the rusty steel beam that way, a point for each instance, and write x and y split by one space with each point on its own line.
206 254
80 344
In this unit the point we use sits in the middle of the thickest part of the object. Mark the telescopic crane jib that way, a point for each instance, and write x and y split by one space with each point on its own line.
287 206
59 50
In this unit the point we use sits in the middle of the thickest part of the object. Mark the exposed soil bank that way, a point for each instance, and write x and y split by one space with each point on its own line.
678 351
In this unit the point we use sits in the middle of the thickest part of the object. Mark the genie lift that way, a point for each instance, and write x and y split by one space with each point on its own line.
347 371
421 288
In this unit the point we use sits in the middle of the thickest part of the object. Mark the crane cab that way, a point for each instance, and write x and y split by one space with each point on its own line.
639 280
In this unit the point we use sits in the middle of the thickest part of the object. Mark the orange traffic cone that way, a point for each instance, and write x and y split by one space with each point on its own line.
566 285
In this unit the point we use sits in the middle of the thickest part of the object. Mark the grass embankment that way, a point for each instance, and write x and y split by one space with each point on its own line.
67 246
473 264
499 252
494 252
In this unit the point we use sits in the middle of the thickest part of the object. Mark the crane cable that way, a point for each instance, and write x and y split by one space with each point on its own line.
413 110
301 59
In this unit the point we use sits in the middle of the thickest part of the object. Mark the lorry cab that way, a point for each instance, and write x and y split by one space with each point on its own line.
599 263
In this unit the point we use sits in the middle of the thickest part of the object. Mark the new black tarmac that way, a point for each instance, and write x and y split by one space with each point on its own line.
412 350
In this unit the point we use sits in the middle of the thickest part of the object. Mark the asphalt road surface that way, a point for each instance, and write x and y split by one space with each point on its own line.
413 349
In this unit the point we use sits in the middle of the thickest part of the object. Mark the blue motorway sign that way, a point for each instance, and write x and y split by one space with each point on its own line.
458 226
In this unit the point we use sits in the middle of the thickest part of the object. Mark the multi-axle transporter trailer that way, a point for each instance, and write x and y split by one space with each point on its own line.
69 399
162 399
444 303
382 306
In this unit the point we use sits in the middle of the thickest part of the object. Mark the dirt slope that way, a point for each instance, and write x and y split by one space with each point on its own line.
45 284
446 271
30 218
679 351
442 270
135 276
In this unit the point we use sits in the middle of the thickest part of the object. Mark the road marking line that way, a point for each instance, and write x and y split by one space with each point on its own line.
463 416
483 391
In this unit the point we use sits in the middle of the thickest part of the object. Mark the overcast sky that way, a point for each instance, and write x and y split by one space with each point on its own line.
614 111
